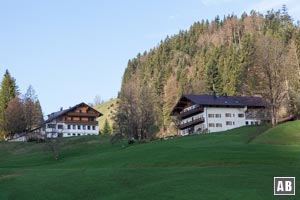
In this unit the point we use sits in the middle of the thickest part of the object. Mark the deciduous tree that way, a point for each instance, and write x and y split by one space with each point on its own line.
15 116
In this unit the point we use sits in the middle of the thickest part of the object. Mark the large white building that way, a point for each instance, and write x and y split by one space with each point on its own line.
211 113
79 120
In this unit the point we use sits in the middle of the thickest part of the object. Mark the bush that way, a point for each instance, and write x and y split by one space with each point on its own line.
131 141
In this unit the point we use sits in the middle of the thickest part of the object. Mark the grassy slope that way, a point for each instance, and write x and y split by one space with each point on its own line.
287 133
107 110
217 166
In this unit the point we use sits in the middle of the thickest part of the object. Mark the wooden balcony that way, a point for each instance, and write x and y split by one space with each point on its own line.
78 114
81 122
192 112
192 123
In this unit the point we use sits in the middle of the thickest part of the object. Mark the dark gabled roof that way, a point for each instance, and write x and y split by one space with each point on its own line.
62 112
221 101
227 100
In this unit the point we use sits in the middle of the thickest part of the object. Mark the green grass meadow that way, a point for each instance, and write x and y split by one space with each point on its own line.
234 165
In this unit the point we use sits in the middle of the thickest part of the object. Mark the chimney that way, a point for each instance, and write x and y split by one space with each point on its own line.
61 108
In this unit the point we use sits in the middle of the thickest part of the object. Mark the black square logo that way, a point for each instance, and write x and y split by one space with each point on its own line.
284 185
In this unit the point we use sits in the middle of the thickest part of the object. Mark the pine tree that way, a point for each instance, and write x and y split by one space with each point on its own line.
38 114
213 76
106 129
9 91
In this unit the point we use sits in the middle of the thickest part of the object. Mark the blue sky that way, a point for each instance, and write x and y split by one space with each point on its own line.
73 50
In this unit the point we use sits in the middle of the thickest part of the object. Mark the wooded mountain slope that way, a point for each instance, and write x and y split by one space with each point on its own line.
254 54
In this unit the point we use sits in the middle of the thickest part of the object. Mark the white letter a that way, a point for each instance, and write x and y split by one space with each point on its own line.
280 187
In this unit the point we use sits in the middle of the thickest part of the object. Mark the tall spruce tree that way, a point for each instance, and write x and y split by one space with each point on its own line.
8 91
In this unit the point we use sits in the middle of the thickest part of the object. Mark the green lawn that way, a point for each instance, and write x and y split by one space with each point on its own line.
238 164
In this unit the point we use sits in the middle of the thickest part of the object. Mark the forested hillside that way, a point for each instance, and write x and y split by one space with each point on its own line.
253 54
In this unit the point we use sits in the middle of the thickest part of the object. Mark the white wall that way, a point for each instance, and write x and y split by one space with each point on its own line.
72 132
234 119
18 139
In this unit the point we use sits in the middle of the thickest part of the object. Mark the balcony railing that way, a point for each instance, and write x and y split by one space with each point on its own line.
81 122
78 114
191 112
191 123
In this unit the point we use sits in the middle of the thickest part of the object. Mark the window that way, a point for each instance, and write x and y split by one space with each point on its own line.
74 127
218 115
211 115
73 134
69 133
228 123
89 127
241 115
78 134
211 125
69 126
84 127
71 118
233 115
60 126
233 123
252 123
51 126
78 127
80 111
94 128
91 119
218 124
227 114
66 118
80 118
247 123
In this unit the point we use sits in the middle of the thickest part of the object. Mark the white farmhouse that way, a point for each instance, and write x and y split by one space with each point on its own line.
211 113
79 120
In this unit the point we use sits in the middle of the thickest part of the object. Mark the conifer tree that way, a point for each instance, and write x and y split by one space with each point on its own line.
8 91
106 129
213 76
